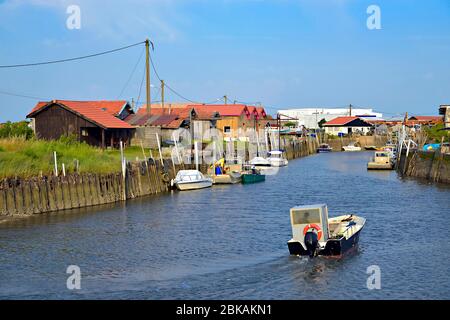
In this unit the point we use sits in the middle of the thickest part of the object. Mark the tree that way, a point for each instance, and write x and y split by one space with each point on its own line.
16 129
322 122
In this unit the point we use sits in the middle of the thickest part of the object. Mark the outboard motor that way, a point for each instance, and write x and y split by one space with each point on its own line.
311 243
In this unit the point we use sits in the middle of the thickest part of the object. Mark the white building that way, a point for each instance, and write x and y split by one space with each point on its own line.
310 117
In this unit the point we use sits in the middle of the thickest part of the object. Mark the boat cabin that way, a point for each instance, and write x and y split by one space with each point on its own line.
308 217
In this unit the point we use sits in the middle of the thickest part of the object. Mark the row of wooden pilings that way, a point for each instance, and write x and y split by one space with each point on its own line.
50 193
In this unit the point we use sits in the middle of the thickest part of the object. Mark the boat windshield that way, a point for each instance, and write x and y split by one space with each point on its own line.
306 216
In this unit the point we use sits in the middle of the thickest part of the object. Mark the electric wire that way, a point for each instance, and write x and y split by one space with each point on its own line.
69 59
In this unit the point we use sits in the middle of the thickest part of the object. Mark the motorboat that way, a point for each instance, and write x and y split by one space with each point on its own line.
314 234
351 147
191 180
260 162
382 160
277 159
252 176
224 173
369 148
324 148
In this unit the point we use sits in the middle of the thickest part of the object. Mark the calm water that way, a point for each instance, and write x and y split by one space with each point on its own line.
230 242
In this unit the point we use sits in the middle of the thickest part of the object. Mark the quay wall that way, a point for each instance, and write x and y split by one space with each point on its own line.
362 141
430 165
24 197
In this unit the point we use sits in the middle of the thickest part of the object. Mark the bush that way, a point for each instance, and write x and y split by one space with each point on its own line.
16 129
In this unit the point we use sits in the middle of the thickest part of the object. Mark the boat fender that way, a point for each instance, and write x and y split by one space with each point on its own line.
313 226
171 183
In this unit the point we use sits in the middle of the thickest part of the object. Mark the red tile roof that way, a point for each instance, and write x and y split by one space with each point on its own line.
225 110
340 121
93 111
426 118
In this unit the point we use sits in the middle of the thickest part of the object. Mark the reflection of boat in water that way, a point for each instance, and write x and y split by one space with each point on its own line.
381 161
324 147
277 159
313 233
191 180
351 147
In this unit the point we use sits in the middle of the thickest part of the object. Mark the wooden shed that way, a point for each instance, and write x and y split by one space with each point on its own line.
93 122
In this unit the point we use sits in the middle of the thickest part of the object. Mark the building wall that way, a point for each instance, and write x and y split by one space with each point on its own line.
55 122
345 130
238 125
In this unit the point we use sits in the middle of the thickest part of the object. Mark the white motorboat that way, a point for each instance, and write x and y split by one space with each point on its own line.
191 180
351 147
277 159
260 162
313 233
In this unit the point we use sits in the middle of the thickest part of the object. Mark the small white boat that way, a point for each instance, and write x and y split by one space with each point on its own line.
382 160
277 159
260 162
314 234
351 147
191 180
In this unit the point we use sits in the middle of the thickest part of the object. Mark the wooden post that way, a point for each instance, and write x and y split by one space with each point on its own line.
56 163
159 148
196 155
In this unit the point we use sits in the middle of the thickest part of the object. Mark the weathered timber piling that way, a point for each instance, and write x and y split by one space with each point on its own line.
53 193
430 165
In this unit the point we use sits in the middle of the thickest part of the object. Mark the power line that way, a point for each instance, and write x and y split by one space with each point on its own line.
69 59
19 95
131 75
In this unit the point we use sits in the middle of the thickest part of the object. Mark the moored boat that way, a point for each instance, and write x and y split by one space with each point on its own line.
252 176
382 160
351 148
369 148
191 180
324 147
225 174
313 233
277 159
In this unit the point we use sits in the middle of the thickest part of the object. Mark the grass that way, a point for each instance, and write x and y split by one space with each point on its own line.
436 133
20 157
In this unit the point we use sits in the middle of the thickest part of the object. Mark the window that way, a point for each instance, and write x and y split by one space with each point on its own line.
227 129
84 132
306 216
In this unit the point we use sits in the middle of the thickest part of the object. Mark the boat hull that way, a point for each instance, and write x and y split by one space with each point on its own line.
253 178
379 166
227 179
333 247
323 150
193 185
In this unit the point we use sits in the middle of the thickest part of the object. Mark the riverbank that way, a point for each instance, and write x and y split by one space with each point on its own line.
27 158
433 166
41 194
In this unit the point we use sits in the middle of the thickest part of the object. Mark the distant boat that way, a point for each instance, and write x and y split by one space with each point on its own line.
314 234
324 148
191 180
252 176
277 159
351 147
370 147
382 160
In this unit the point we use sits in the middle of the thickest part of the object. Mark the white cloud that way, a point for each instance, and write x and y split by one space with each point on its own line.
118 19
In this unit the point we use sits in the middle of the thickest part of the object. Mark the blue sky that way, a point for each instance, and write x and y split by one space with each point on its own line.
283 53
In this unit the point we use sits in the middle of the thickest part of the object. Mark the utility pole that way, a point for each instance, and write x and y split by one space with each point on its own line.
162 94
147 70
350 110
225 98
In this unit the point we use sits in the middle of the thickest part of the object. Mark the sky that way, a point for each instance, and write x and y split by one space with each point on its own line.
282 53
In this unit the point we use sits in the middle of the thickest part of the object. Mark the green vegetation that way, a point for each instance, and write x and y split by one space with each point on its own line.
16 129
20 157
436 133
